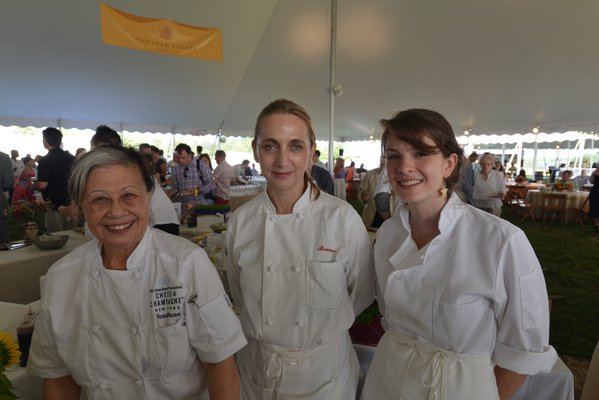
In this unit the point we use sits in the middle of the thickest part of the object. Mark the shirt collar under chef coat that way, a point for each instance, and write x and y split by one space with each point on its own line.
447 220
135 260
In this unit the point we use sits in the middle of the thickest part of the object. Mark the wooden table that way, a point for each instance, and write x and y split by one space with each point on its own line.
574 201
21 269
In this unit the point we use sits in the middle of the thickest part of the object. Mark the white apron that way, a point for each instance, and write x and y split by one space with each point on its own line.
404 369
327 372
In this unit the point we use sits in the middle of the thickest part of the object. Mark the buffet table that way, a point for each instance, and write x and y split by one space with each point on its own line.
21 269
574 201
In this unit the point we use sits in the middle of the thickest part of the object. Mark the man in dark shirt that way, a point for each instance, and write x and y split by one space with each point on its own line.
5 184
53 170
323 179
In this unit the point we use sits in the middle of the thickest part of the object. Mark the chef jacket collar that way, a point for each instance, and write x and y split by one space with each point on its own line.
449 214
407 255
135 260
299 207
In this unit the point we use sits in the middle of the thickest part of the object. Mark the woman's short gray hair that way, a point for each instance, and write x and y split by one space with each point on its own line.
491 157
104 156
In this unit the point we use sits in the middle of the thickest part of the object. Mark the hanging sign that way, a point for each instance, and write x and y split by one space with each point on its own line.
160 35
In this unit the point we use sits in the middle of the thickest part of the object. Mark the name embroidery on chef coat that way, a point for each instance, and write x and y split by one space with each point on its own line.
322 248
167 301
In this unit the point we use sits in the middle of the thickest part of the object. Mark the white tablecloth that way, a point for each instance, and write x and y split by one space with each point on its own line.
20 269
574 201
555 385
26 386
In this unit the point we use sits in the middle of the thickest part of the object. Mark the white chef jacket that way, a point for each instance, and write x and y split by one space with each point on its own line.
484 189
477 288
135 333
300 278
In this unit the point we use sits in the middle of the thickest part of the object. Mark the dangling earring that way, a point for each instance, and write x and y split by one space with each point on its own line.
443 190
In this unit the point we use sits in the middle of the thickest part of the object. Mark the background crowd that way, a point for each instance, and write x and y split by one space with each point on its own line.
463 297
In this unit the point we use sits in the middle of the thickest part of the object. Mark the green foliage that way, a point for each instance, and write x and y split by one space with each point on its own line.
6 388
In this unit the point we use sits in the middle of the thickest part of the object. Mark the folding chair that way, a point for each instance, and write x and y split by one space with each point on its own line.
519 207
554 204
582 213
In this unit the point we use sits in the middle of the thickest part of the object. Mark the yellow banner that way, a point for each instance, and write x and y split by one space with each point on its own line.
160 35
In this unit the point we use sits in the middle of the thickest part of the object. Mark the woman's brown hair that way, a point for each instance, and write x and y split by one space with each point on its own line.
411 126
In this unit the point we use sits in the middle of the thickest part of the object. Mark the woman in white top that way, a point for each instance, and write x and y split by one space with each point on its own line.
462 294
163 215
135 313
489 186
300 268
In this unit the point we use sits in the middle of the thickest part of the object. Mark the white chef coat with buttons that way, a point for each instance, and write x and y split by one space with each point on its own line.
477 288
301 278
138 333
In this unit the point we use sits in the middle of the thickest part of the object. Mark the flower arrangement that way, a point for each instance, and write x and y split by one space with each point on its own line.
560 186
31 210
9 355
521 179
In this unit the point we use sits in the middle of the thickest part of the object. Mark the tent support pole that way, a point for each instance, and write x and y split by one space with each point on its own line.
534 160
332 66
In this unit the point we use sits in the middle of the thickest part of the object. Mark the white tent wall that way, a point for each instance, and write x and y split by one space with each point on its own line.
493 67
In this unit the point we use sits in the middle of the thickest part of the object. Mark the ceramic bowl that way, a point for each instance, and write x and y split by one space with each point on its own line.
50 242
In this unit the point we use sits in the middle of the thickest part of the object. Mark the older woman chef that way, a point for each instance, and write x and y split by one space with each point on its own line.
136 312
462 293
300 267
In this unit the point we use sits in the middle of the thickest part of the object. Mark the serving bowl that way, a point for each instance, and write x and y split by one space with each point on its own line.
50 242
219 227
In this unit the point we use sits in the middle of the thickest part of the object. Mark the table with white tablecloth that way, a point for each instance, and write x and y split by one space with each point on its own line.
574 201
21 269
558 384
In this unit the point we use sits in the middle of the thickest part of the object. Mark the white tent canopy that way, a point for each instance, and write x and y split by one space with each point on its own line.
493 67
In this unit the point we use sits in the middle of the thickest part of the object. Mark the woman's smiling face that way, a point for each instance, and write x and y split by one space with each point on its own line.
116 205
416 176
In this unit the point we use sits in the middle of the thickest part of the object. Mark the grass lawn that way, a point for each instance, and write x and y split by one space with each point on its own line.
569 254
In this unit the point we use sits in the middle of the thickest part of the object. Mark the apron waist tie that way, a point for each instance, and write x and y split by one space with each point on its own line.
272 368
433 376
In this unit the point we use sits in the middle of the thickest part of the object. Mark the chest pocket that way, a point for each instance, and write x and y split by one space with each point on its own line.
456 324
174 350
326 285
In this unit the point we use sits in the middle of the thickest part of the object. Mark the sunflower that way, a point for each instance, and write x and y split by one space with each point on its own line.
9 351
